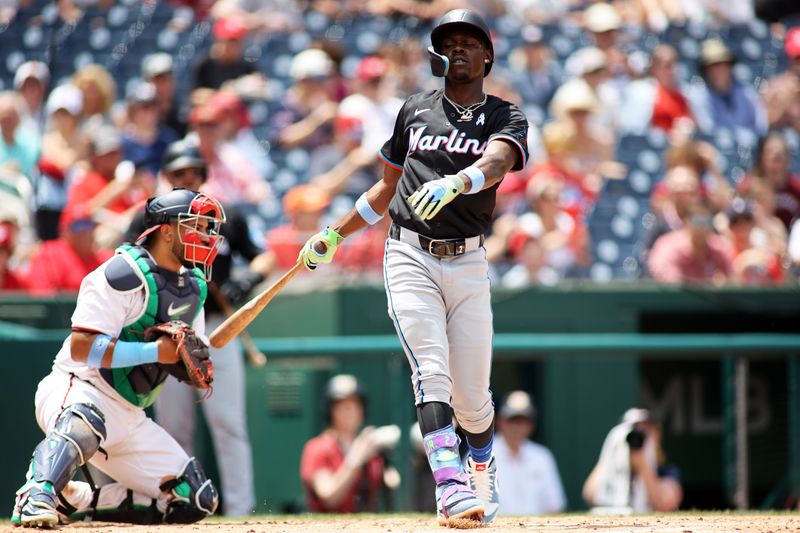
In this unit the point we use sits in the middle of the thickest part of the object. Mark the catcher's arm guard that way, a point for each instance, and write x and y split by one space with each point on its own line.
194 365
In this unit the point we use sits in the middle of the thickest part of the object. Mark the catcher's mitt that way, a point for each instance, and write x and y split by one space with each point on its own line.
194 366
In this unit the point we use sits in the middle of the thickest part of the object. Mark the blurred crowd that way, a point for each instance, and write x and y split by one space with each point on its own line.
664 133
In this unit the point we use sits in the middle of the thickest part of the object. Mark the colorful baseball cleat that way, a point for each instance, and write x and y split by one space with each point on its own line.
456 501
483 480
35 506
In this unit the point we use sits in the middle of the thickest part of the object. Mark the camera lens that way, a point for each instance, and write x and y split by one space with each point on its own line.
635 439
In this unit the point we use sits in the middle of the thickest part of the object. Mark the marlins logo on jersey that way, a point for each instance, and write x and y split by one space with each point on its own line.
455 143
430 140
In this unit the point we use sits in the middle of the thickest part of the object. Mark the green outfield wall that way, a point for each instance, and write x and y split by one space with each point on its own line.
586 353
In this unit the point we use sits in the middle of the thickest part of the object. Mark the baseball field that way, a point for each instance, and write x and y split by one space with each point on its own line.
688 522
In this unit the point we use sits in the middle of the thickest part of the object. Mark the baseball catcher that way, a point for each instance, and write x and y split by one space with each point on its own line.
139 317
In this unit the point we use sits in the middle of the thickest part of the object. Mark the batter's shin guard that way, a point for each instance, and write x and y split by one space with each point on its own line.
454 497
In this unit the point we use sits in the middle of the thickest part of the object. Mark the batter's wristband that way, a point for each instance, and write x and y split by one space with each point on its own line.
366 211
476 177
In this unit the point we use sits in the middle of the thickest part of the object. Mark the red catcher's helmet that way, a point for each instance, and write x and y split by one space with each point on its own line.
199 217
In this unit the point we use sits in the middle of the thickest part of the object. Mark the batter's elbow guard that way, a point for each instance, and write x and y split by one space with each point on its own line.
194 496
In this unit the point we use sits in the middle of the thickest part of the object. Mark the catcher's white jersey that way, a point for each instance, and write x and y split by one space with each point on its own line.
102 309
139 453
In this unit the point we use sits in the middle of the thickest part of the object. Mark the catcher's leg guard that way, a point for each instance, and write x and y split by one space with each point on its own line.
195 497
78 432
454 497
116 503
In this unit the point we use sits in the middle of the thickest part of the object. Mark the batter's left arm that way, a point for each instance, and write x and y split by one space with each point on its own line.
498 158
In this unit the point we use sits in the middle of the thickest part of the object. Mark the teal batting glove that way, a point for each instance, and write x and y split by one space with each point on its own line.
432 196
320 248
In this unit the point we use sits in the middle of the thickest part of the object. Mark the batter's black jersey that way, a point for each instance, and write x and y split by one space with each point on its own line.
430 141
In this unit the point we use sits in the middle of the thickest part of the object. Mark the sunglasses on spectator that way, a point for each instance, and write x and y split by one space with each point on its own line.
81 225
701 221
184 172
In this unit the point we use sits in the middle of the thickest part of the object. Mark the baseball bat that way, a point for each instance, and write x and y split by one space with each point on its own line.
240 319
254 356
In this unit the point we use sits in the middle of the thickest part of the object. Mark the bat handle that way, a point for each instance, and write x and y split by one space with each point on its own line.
320 247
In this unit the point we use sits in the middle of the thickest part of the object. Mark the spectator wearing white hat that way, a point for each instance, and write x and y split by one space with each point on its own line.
30 81
308 108
62 152
145 139
631 476
527 471
19 146
158 69
537 11
604 23
591 65
576 104
373 102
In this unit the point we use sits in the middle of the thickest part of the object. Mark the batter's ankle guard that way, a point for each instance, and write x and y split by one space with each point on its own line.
441 447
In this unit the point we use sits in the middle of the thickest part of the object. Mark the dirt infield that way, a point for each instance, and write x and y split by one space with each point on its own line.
677 523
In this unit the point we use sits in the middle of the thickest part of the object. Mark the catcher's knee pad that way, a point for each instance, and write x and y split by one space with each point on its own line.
195 497
79 430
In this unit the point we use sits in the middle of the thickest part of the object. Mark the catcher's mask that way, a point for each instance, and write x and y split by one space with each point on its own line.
199 217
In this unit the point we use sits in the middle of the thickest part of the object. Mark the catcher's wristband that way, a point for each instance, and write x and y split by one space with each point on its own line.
365 210
125 353
476 177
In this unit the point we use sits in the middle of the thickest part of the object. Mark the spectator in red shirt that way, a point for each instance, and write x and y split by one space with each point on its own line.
232 177
342 469
9 280
304 207
61 264
362 257
772 167
692 254
658 100
111 197
580 190
754 263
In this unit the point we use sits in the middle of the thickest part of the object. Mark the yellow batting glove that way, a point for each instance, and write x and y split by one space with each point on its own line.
432 196
312 253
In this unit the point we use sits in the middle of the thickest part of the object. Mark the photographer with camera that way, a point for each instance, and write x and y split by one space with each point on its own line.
344 468
630 476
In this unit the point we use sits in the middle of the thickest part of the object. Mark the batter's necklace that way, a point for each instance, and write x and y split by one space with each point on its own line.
465 112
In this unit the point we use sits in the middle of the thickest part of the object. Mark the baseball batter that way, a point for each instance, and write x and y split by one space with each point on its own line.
449 151
91 405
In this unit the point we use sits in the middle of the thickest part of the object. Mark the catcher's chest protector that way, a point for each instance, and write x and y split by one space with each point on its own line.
168 296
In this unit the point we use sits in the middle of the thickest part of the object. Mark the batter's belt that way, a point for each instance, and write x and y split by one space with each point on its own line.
435 247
